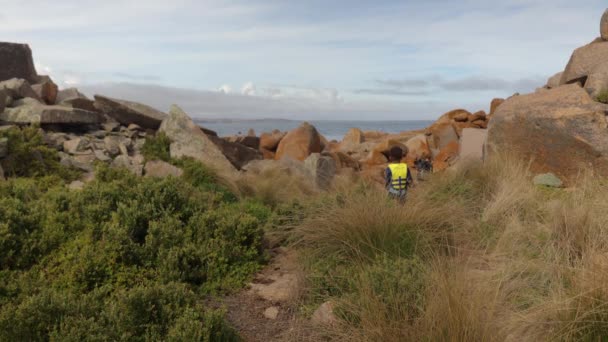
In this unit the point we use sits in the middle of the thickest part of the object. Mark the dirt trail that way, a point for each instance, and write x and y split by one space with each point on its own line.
266 310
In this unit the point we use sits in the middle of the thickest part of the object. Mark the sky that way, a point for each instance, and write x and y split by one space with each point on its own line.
303 59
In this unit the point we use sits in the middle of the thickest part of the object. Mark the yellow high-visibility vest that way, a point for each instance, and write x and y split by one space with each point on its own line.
398 175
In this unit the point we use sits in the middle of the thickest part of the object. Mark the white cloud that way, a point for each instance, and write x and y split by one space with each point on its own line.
248 89
225 89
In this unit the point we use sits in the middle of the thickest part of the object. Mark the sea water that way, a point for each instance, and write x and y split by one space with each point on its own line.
332 130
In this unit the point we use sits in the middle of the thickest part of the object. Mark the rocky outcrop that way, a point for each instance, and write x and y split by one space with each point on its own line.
561 130
239 155
446 157
16 62
127 112
472 143
554 81
188 140
18 88
583 61
299 143
418 148
495 103
46 91
270 141
48 115
597 81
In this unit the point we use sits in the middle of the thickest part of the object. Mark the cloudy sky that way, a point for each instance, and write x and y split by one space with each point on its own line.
310 59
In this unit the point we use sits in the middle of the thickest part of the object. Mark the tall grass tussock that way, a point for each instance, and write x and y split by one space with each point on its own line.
478 253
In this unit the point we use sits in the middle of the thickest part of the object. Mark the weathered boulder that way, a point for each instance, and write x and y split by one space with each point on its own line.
239 155
386 145
188 140
18 88
322 168
270 141
127 112
461 117
446 156
250 141
46 91
16 62
375 158
442 134
604 25
76 145
472 143
351 140
450 116
598 79
480 115
343 160
561 130
583 61
48 115
161 169
374 135
554 81
418 147
300 143
494 105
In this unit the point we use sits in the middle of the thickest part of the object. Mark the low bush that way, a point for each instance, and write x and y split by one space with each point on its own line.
126 258
29 156
157 147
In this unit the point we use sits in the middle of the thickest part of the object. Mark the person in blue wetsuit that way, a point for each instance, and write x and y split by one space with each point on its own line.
398 177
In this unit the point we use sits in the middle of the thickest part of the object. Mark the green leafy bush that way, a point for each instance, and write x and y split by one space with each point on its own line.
28 156
156 147
126 258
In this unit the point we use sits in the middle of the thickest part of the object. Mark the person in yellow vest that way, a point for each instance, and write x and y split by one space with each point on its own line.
398 177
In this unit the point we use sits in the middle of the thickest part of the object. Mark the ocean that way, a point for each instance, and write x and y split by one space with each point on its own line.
331 129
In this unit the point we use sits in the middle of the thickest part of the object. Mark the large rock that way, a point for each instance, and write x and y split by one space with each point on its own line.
48 115
442 134
472 143
561 130
127 112
604 26
16 62
250 141
161 169
554 81
239 155
71 97
188 140
46 91
583 61
270 141
18 88
452 116
598 79
300 143
323 170
495 103
418 148
353 138
446 157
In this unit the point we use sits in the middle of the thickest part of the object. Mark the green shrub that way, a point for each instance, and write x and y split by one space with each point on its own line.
28 156
157 147
125 258
602 96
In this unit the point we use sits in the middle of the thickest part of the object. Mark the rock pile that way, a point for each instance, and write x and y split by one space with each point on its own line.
561 129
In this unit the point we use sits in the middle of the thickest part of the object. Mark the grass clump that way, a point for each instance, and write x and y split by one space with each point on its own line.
126 258
478 253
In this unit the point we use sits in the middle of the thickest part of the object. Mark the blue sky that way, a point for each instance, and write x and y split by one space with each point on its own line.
303 59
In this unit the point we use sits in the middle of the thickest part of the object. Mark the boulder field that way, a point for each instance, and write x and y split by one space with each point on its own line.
560 128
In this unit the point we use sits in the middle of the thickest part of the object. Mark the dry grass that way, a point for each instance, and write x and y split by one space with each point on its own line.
502 260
